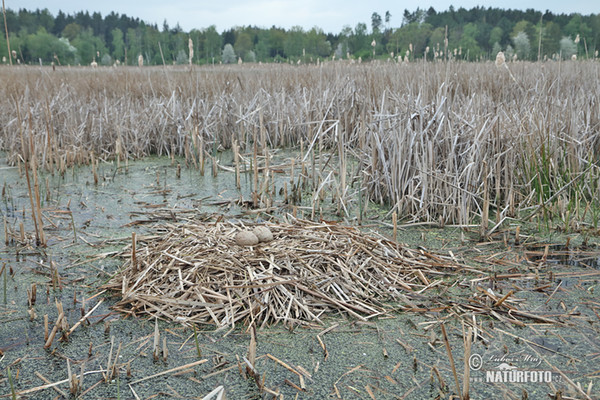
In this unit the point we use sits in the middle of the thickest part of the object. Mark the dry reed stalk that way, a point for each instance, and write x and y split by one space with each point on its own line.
46 381
36 189
31 295
201 152
170 371
467 370
133 251
483 228
6 32
33 209
236 160
54 331
450 358
165 349
73 382
252 350
155 346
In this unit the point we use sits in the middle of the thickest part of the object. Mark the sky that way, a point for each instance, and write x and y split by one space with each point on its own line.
329 15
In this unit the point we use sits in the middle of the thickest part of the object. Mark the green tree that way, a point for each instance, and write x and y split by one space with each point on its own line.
522 46
576 26
133 39
468 42
343 47
294 43
524 26
89 47
567 47
228 56
43 45
277 41
413 35
263 47
436 40
118 44
212 43
496 35
376 22
316 43
359 43
71 31
243 44
551 36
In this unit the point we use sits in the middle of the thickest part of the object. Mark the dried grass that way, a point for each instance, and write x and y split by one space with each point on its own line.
194 272
421 132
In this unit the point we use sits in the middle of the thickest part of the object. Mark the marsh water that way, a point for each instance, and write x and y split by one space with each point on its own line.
400 355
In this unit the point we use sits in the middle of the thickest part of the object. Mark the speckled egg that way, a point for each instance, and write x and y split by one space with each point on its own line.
245 238
263 233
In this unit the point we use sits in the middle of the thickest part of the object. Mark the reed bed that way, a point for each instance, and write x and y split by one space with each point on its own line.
194 272
446 142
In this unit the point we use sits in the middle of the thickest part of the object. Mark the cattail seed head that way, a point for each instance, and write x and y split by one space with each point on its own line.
500 59
191 50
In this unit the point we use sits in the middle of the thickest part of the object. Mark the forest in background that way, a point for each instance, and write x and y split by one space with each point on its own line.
471 35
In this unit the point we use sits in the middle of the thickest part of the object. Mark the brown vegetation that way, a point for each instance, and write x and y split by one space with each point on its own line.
428 137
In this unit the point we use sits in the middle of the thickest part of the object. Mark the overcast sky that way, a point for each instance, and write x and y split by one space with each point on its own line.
330 15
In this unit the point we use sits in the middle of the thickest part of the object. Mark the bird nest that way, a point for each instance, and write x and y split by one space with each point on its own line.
196 273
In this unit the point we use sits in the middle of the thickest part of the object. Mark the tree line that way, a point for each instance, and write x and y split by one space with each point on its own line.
475 34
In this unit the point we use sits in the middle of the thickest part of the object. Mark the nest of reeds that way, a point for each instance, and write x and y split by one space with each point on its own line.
195 272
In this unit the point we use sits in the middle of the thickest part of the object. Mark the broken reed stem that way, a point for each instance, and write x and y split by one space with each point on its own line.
395 223
3 272
467 371
252 350
483 229
85 317
196 341
201 152
46 381
36 188
94 169
236 158
73 226
155 348
33 216
31 295
133 251
449 351
54 330
255 171
72 382
187 366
